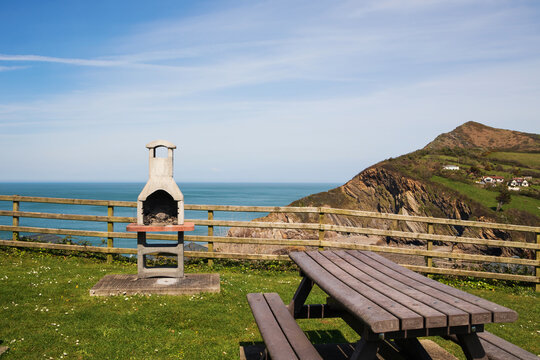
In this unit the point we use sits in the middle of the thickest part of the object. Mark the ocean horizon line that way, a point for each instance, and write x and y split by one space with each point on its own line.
183 182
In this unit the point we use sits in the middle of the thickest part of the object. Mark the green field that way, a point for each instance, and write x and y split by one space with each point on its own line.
487 197
525 161
46 312
528 160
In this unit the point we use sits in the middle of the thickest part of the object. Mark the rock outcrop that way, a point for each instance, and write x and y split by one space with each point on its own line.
374 189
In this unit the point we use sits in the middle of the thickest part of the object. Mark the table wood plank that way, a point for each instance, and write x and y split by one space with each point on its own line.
499 313
477 315
455 317
408 319
431 317
370 313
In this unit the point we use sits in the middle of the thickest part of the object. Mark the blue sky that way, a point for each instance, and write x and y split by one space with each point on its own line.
264 91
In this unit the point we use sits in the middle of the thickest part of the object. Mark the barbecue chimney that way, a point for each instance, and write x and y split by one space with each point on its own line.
160 202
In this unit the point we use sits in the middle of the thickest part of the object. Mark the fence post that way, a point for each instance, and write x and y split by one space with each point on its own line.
110 229
15 220
210 234
537 259
321 231
429 259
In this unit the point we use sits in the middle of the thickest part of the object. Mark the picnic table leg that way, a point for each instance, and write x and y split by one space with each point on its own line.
300 296
473 349
365 350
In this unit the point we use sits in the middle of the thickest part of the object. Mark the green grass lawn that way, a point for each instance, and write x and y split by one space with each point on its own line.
46 312
487 198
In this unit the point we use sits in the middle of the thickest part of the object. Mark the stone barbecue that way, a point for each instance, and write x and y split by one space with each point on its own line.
160 208
160 202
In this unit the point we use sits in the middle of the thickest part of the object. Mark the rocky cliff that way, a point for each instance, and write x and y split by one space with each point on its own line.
381 190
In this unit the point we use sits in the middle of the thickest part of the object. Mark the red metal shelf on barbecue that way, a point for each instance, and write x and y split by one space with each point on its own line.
187 226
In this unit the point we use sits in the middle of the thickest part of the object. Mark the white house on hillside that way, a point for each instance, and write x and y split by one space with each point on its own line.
450 167
518 182
491 179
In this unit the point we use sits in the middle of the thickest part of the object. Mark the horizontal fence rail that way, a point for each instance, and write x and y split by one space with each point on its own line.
430 237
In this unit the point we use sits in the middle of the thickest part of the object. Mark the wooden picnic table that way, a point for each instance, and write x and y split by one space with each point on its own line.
387 303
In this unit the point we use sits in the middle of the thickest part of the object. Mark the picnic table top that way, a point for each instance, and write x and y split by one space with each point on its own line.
388 297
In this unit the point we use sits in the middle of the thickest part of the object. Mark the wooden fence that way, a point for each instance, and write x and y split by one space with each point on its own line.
429 236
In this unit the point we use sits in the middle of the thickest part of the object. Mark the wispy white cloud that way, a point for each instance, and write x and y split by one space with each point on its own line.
51 59
11 68
121 62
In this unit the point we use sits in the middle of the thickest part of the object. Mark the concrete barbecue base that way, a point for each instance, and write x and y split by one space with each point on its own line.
127 284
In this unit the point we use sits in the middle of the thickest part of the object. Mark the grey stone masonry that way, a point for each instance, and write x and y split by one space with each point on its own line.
144 249
160 202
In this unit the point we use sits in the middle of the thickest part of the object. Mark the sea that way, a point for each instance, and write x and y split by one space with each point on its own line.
249 194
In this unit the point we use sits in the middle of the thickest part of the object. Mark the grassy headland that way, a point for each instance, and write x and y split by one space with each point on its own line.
427 165
487 197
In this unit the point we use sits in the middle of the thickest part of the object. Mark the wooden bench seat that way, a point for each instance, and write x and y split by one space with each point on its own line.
497 348
283 338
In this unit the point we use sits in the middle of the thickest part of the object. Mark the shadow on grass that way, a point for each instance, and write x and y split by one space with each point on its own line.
250 350
326 336
3 348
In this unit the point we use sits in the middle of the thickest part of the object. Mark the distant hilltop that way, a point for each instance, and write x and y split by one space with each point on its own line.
439 180
475 135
